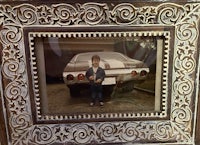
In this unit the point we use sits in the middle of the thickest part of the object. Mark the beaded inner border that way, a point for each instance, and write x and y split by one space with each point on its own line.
165 65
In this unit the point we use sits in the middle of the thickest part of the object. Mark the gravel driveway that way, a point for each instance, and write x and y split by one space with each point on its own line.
60 102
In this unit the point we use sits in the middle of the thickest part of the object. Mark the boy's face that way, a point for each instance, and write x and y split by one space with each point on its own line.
95 62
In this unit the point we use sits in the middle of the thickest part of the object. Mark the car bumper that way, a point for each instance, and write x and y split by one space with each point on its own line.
112 77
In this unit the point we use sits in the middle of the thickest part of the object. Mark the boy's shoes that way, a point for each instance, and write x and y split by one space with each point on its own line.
92 104
101 103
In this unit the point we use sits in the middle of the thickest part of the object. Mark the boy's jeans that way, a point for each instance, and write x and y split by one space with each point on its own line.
96 91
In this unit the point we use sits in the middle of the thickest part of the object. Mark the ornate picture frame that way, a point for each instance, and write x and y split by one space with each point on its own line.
176 121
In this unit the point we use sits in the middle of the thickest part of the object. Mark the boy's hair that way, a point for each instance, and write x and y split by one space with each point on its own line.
95 57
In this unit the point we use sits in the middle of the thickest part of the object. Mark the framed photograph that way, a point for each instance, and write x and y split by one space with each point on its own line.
60 59
100 73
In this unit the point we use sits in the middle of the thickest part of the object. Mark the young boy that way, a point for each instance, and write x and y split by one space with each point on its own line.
96 75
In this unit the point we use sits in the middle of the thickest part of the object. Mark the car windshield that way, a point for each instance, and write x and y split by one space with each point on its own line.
106 55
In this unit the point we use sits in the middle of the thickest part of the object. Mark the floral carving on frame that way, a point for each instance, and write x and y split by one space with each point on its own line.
178 128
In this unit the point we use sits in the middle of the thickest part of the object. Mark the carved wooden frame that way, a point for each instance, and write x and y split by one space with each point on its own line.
177 126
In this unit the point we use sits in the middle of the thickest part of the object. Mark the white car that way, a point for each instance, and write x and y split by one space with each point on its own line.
118 69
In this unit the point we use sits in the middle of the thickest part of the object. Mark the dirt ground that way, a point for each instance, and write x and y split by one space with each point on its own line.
60 101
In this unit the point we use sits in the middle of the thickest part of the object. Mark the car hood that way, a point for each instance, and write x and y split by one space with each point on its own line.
105 64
